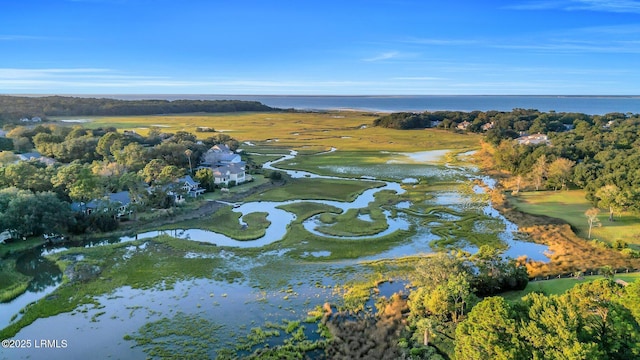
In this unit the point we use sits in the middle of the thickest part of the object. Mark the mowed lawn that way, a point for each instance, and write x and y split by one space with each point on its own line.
560 286
570 206
345 130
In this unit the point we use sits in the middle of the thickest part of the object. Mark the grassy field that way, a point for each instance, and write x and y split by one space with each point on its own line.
347 130
560 286
570 206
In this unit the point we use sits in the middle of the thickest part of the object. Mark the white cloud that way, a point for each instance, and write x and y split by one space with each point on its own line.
617 6
383 56
443 42
418 78
9 37
16 73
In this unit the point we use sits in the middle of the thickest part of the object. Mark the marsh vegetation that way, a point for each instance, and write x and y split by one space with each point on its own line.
303 262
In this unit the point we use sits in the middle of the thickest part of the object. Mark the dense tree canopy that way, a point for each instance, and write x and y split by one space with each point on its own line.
598 153
14 108
596 320
87 164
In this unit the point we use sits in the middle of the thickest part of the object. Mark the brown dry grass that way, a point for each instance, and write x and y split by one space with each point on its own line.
568 253
364 336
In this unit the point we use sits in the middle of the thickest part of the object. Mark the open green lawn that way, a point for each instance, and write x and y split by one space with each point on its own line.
570 206
560 286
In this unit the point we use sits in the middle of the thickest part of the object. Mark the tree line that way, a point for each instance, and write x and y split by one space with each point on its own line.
90 163
453 309
597 153
14 108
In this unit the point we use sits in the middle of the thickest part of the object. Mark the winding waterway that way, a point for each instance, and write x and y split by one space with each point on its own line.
48 276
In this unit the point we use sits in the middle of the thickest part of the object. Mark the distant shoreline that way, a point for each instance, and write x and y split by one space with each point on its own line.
586 104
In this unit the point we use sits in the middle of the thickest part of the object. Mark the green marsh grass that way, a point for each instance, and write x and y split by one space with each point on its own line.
161 263
348 223
12 282
17 246
316 189
183 336
313 132
227 222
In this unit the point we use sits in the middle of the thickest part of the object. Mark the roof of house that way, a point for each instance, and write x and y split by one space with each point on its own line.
235 168
212 158
30 155
189 180
221 148
121 197
533 139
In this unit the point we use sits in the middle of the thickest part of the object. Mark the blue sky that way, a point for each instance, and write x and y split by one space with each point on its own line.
372 47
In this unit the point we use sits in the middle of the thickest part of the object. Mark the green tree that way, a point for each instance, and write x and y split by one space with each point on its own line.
6 144
610 196
106 143
151 172
607 322
7 157
607 271
27 214
560 171
169 174
78 182
29 175
205 178
554 329
490 332
426 327
539 171
133 156
631 299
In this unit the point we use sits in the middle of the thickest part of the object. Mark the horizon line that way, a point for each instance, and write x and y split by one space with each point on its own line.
309 95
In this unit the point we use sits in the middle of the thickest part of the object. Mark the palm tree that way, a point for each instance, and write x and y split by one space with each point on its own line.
188 152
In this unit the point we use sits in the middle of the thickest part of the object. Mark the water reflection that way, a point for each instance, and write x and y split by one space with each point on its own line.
47 276
45 273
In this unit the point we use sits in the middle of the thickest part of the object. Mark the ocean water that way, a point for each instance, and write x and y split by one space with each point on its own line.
592 105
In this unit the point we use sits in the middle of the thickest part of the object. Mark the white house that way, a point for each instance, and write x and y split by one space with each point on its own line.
231 172
190 186
226 165
533 139
464 125
219 155
33 119
4 236
488 126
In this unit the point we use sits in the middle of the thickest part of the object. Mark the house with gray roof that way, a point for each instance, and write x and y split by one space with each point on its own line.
36 156
219 155
119 201
231 172
190 186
